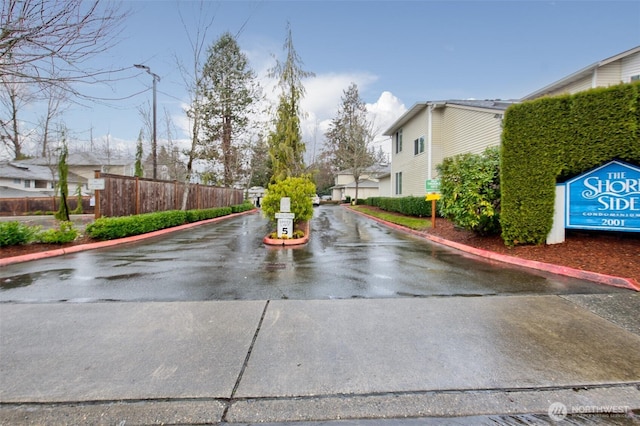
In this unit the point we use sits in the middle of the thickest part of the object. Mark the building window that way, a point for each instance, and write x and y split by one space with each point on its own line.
399 183
635 77
41 184
17 181
399 141
27 183
418 146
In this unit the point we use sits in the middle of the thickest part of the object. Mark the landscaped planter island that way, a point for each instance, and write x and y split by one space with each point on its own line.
268 240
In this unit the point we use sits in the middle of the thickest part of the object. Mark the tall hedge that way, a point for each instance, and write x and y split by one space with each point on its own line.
552 139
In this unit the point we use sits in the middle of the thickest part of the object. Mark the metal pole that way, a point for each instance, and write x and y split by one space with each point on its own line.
155 142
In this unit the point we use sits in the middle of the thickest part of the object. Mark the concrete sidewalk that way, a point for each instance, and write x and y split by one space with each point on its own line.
287 360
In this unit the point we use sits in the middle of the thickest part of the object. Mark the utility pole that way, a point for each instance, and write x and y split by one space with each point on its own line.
154 142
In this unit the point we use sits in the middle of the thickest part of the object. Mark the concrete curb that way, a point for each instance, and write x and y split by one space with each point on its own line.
611 280
290 242
102 244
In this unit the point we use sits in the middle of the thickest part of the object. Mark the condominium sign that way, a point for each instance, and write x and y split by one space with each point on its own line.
606 198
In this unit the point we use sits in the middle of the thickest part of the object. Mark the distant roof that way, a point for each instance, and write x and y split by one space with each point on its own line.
6 192
15 170
376 169
497 105
362 183
580 74
84 159
20 170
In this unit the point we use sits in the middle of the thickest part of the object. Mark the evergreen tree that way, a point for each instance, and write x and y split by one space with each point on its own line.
260 166
139 169
230 90
63 173
286 147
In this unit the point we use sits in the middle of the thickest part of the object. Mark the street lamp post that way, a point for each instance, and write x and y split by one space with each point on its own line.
154 141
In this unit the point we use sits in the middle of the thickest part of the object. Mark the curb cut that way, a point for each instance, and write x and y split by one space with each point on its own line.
109 243
597 277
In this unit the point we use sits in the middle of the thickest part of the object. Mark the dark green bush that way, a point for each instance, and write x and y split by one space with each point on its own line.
239 208
14 233
65 233
204 214
470 188
108 228
410 206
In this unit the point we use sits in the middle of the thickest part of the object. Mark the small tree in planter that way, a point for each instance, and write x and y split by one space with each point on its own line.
299 190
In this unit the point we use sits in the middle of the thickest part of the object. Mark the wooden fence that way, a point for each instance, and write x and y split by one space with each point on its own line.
31 205
126 195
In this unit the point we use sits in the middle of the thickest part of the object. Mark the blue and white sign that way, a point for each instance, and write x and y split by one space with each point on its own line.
606 198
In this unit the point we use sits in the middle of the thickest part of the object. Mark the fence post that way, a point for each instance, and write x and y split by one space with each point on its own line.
175 194
137 195
96 195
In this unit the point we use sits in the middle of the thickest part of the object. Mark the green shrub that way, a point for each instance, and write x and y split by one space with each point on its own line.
410 206
298 189
204 214
239 208
109 228
15 233
470 188
65 233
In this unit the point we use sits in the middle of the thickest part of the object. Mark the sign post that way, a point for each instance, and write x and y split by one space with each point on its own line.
285 218
433 194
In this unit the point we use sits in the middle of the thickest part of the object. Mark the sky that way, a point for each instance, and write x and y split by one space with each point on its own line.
397 52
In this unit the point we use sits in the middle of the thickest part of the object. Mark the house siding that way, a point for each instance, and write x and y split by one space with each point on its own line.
575 87
437 141
413 167
609 75
456 129
630 67
468 130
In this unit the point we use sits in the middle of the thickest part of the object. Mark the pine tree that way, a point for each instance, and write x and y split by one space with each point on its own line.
230 90
139 172
63 173
286 147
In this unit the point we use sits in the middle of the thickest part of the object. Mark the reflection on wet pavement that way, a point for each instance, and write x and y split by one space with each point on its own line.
348 256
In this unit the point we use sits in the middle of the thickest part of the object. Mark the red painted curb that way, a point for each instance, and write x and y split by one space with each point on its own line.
290 242
611 280
102 244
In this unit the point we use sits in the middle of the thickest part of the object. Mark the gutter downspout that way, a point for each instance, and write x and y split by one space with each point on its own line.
429 136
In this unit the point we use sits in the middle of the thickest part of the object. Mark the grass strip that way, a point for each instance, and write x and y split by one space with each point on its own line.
417 223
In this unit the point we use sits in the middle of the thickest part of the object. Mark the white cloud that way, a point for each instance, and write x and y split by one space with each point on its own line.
382 113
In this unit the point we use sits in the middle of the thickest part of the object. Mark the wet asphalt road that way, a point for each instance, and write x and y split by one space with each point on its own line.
407 351
348 257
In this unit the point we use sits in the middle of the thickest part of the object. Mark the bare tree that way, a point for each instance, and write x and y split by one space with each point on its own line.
56 103
47 41
350 136
13 97
45 46
170 155
192 77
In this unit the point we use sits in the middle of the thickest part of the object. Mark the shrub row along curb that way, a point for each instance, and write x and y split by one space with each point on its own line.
113 242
